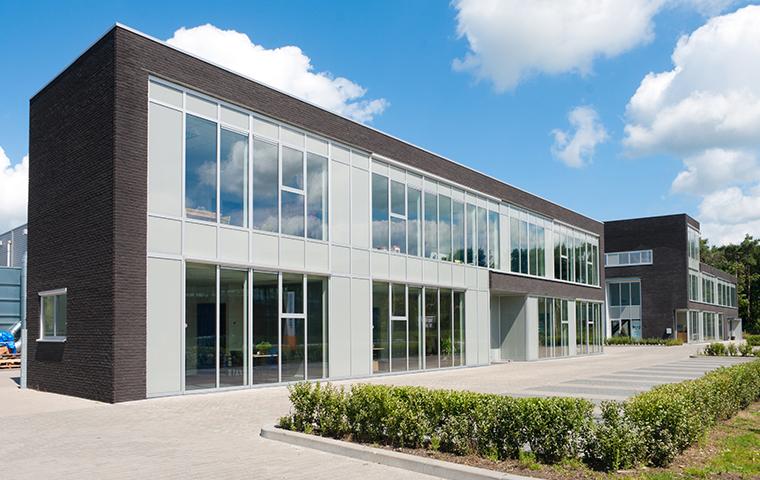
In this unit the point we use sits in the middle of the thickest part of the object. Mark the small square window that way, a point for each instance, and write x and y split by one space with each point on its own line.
53 315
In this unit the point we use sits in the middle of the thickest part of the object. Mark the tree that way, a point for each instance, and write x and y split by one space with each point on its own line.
743 261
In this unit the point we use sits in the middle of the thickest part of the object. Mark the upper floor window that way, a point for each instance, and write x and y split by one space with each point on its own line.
53 315
693 244
623 259
200 168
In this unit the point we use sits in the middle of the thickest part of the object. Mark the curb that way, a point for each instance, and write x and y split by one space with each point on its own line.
412 463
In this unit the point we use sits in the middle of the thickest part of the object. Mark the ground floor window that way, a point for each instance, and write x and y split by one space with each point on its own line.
708 326
416 328
624 299
694 326
589 333
252 327
553 328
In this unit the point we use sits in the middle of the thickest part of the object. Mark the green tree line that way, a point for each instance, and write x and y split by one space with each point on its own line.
742 260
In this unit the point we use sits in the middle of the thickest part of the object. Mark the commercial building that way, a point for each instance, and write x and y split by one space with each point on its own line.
657 286
13 247
238 236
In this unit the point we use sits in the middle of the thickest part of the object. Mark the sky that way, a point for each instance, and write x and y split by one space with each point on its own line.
613 109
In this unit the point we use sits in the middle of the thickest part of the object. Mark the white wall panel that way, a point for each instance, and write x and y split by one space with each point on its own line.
444 273
360 209
233 245
484 327
266 129
397 268
360 262
317 257
265 249
572 327
430 271
483 280
341 260
341 154
200 240
360 327
200 106
164 236
414 270
165 94
458 276
359 160
234 118
317 146
379 262
531 328
292 137
164 160
472 277
340 327
292 253
340 220
164 326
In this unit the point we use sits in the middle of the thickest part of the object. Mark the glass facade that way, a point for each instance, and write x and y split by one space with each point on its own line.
624 300
553 328
589 330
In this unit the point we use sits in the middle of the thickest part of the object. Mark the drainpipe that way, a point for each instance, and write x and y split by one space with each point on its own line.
24 341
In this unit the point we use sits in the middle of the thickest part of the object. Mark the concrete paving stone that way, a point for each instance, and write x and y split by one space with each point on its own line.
589 391
613 383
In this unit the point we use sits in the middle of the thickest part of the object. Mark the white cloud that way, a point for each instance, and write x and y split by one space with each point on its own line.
286 68
715 168
576 148
14 187
510 40
706 109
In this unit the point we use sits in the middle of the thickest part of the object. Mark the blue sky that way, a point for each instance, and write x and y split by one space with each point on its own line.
402 52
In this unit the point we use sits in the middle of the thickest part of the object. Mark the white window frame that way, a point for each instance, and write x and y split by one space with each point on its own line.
618 263
51 293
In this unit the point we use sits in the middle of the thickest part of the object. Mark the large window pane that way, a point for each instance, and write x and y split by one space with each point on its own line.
447 334
635 293
514 240
379 212
265 172
398 235
414 209
482 237
444 228
415 318
398 200
317 345
494 255
431 328
200 168
523 247
398 303
233 305
541 249
266 340
533 249
459 343
60 315
614 289
200 330
457 233
431 225
293 354
472 234
48 316
292 168
545 341
233 153
316 197
380 328
292 214
292 293
398 346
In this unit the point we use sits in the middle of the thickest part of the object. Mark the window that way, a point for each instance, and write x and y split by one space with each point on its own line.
482 237
693 247
553 328
200 168
380 214
458 231
292 192
494 255
624 259
444 228
380 328
316 196
398 217
266 330
472 234
414 209
265 180
53 315
233 175
431 225
624 299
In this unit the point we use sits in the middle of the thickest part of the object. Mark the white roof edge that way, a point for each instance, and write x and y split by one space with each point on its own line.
154 39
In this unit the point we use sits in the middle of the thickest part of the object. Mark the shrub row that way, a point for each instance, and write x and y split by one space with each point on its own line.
752 339
669 342
718 349
650 428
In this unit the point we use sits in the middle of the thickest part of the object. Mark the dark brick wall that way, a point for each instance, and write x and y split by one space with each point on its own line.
71 225
506 283
664 284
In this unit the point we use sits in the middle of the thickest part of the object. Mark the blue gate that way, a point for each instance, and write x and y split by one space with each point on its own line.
10 297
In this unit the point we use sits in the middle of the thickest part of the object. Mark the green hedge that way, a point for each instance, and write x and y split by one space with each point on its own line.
719 349
753 340
668 342
650 428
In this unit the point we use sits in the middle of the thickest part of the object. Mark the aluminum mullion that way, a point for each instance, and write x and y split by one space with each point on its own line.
218 287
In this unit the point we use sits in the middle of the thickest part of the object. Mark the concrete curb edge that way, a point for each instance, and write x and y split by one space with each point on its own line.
413 463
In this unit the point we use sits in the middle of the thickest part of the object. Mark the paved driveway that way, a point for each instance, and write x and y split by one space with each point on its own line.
217 435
